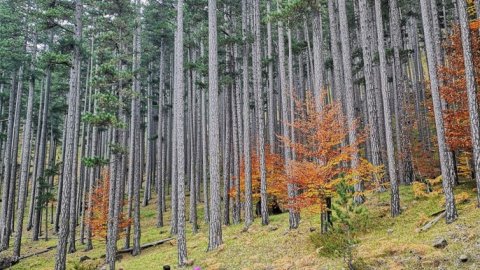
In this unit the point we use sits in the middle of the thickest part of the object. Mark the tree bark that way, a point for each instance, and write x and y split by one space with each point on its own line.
471 91
437 106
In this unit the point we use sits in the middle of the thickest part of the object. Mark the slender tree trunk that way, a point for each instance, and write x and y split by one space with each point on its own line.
318 58
395 196
294 216
137 166
336 51
471 91
160 138
179 116
215 227
349 96
257 84
271 115
369 85
14 95
451 211
26 148
60 260
246 121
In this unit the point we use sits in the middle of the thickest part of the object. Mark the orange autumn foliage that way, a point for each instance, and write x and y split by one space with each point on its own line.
276 182
99 216
322 156
453 89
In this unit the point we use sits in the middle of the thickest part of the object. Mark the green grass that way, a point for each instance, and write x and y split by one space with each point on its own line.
276 247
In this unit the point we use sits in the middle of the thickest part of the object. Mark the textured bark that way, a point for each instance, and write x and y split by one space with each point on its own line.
180 148
246 121
192 146
349 96
236 149
7 160
395 196
365 28
471 91
215 226
257 84
136 132
336 52
205 157
74 170
60 260
271 115
318 58
161 138
294 216
227 152
447 180
25 160
40 151
149 142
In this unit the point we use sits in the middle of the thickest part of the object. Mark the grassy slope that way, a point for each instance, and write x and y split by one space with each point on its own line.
388 244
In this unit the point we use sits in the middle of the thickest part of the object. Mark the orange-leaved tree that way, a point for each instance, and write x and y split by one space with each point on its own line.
276 182
99 216
322 157
454 90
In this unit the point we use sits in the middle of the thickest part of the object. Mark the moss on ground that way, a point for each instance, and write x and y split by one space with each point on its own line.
387 243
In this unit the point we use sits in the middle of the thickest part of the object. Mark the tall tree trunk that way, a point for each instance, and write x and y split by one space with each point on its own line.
451 211
294 216
471 91
257 84
179 116
161 138
365 28
7 160
336 51
60 260
271 115
246 121
136 132
395 195
215 226
318 58
349 96
26 148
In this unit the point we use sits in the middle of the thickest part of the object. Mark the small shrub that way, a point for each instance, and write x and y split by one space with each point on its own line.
330 244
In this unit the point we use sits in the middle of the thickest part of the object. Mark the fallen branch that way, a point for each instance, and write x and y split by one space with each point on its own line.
37 253
10 261
433 221
144 246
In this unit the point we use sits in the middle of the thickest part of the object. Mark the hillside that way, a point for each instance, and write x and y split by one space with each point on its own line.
388 244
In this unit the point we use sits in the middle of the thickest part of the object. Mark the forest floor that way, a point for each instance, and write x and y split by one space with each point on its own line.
388 243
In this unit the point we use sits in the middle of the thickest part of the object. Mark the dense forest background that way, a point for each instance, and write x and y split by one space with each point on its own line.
215 113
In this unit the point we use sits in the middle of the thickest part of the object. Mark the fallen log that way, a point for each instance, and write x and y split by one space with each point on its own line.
144 246
427 226
8 262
